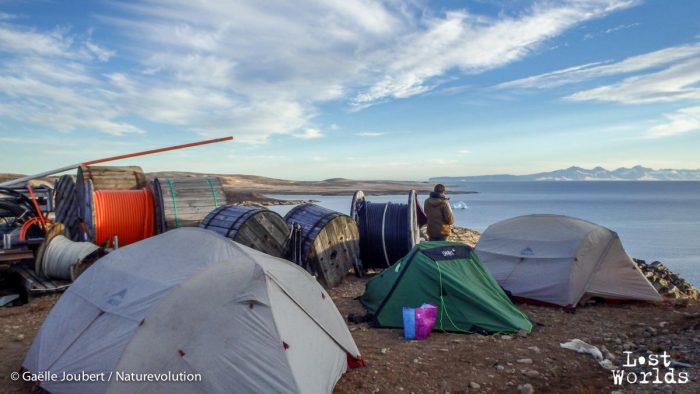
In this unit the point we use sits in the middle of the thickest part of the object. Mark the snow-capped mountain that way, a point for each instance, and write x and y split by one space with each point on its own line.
636 173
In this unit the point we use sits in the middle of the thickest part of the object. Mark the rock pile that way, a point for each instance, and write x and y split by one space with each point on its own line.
666 282
459 234
464 235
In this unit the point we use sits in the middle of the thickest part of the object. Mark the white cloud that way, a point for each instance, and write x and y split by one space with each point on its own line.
308 134
679 122
473 44
45 79
100 53
676 82
611 30
590 71
663 76
256 69
369 134
464 151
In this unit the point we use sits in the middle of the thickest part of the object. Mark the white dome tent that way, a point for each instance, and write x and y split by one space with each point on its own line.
561 260
192 301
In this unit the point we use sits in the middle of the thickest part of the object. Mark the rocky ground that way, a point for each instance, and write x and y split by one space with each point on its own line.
334 186
456 363
667 283
257 200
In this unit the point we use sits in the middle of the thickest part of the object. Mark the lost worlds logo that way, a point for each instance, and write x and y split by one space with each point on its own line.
652 369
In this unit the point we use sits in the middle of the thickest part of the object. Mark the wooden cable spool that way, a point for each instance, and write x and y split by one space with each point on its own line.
185 201
94 179
112 177
325 242
67 207
258 228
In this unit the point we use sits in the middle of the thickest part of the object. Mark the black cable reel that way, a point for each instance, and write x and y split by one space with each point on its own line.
388 231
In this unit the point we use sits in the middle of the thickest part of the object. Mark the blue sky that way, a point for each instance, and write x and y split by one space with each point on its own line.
356 89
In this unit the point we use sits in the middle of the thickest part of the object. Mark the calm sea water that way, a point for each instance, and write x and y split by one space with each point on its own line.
655 220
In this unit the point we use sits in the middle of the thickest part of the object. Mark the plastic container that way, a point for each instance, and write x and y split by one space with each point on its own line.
418 322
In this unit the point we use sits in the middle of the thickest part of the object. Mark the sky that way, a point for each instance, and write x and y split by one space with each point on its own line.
355 89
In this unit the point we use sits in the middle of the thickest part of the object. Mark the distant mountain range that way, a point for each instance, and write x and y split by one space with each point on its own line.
636 173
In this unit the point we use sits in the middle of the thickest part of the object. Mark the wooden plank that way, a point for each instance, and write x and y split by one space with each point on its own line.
113 177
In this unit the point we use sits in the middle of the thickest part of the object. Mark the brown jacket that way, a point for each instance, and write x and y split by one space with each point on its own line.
439 214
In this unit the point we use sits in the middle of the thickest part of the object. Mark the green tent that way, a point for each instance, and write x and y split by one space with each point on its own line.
449 275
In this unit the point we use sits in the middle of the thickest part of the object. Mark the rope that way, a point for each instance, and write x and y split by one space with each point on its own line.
213 193
443 306
61 254
172 197
128 214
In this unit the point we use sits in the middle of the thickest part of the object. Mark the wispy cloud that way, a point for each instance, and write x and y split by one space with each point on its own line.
464 151
674 83
679 122
370 134
26 41
610 30
664 76
590 71
308 134
258 68
473 44
45 79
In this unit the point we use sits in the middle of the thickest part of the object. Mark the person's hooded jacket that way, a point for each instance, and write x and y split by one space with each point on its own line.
437 209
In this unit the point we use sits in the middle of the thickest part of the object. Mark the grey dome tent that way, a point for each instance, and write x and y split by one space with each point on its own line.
561 260
192 301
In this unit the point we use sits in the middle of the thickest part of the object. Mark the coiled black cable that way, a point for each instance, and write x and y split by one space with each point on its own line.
388 231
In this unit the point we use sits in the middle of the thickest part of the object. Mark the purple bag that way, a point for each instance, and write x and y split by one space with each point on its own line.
418 322
425 320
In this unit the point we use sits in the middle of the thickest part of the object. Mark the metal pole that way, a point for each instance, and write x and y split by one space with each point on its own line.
39 175
146 152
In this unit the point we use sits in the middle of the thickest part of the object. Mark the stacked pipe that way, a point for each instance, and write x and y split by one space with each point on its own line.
388 231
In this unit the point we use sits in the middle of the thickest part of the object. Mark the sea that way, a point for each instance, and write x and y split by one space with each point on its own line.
656 220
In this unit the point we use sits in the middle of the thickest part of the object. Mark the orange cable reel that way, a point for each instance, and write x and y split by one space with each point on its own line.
127 214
